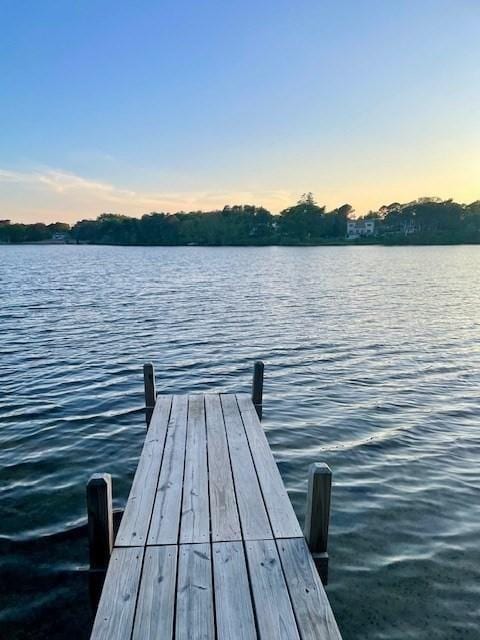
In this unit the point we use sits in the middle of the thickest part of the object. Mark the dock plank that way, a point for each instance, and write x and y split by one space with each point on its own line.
233 603
312 610
253 516
156 599
165 523
136 518
116 608
195 610
275 617
280 511
195 523
225 523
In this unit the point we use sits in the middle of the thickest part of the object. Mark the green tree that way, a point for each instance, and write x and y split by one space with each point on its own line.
303 221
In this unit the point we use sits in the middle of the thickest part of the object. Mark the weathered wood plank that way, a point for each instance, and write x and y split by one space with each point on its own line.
195 610
116 609
275 617
164 527
136 518
225 524
233 603
195 523
312 609
280 511
253 517
156 599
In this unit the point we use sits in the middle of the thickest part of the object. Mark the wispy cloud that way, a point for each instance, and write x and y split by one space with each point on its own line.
53 192
62 182
12 176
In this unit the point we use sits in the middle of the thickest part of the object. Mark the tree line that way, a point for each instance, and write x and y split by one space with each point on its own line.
426 220
36 232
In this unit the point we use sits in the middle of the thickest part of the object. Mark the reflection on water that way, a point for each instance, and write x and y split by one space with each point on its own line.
373 366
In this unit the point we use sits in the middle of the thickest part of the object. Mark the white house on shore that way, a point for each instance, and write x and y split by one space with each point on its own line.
360 228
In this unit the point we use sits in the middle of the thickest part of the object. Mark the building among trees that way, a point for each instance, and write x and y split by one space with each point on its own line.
360 228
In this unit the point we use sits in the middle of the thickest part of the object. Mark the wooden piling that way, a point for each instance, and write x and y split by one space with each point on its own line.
100 531
150 391
317 515
257 387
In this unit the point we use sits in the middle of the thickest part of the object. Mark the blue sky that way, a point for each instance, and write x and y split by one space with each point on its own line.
135 107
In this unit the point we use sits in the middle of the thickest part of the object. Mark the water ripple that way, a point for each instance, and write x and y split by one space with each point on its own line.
373 366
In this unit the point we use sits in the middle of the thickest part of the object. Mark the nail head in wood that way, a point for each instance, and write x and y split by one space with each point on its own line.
150 391
257 387
317 515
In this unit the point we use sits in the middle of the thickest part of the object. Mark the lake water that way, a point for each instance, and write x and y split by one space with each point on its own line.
372 365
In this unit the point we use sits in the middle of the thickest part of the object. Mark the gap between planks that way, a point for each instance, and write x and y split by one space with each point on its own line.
266 589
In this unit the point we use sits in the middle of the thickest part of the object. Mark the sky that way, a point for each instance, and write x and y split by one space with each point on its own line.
133 107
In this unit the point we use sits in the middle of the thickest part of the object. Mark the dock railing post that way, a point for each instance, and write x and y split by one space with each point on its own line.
317 515
257 387
100 531
150 391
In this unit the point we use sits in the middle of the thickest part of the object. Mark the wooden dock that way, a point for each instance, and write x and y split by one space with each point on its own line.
209 545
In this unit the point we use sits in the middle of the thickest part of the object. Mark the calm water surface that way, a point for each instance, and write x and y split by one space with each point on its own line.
373 366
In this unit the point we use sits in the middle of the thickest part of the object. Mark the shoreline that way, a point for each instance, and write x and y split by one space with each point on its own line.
338 243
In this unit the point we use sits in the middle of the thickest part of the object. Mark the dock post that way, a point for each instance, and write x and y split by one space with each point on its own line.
318 515
257 387
150 392
100 531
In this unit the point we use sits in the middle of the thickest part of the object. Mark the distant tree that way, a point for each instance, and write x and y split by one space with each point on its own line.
86 231
345 211
159 228
59 227
303 221
335 222
308 199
